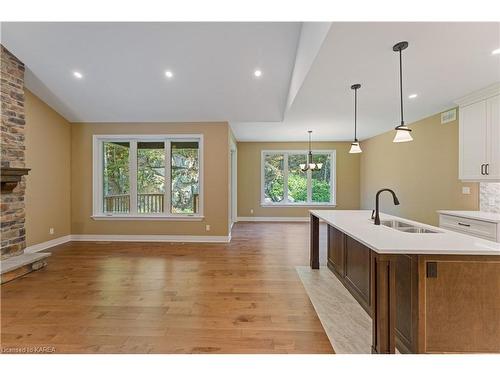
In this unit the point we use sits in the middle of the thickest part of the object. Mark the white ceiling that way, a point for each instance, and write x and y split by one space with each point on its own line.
124 68
443 62
213 63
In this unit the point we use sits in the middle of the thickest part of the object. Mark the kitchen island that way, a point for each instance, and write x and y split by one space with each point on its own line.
427 289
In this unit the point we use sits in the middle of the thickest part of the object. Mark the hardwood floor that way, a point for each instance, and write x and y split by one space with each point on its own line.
242 297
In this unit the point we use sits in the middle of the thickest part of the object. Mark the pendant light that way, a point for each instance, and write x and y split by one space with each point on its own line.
310 165
402 131
355 149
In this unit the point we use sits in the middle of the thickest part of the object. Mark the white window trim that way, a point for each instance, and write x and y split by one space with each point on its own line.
285 203
97 176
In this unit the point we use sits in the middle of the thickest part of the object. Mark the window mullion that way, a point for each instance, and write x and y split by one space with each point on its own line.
309 186
333 171
285 178
168 178
262 177
133 177
99 177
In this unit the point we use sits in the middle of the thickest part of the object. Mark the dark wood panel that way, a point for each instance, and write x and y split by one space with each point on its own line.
407 302
336 257
462 306
357 271
314 242
383 301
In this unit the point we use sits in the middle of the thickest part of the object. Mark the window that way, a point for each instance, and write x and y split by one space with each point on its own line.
148 176
185 177
116 177
284 183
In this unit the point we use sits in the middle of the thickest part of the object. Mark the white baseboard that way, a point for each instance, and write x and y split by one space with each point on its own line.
149 238
277 219
128 237
45 245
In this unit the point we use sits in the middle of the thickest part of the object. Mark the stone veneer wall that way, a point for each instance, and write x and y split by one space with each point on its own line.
489 193
13 236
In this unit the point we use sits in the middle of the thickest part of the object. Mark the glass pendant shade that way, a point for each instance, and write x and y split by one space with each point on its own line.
355 148
403 134
311 166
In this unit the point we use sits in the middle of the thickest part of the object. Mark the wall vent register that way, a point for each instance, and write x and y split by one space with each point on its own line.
449 116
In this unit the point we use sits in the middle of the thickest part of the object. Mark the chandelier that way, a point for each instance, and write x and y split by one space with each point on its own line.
310 164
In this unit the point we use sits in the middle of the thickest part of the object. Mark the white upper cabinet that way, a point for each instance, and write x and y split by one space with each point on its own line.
479 147
473 138
493 122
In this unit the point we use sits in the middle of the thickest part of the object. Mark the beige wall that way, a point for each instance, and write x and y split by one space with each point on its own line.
48 188
423 173
249 174
215 186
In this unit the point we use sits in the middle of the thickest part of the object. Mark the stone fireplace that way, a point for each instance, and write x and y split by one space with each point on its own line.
12 145
13 171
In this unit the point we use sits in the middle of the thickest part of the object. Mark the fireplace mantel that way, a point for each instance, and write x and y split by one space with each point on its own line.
10 177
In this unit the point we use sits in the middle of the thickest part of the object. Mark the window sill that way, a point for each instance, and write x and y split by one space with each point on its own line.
267 205
149 217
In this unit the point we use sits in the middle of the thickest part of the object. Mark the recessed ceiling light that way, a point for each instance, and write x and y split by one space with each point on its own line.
78 75
412 96
169 74
257 73
496 51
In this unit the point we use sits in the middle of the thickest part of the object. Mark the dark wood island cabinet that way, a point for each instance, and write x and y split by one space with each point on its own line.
419 303
351 262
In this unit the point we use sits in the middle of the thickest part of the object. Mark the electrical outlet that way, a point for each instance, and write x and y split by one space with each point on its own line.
465 190
491 201
51 230
207 227
251 211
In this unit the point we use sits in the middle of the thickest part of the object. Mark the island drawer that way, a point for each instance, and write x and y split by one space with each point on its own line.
478 228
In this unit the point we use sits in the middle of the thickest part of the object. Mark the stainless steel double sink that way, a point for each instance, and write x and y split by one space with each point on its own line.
405 227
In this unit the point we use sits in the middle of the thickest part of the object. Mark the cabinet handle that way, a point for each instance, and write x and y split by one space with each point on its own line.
432 270
486 169
464 225
482 169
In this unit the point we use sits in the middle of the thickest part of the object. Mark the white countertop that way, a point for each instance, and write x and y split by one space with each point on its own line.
384 240
477 215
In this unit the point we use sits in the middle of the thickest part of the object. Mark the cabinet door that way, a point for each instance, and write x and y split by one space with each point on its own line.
336 250
493 137
407 303
473 124
357 271
462 306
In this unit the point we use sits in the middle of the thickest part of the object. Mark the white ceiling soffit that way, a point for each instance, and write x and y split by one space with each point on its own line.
124 64
312 35
443 62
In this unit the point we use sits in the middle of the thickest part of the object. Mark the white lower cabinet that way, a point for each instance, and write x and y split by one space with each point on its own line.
474 227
